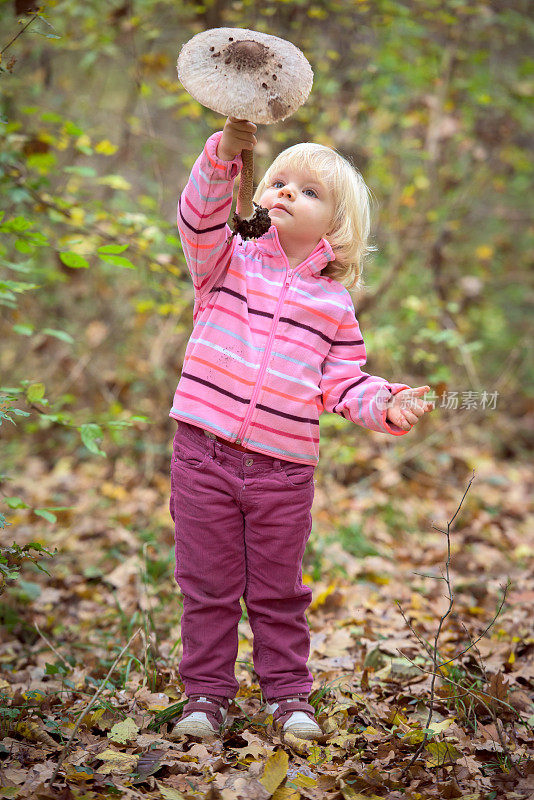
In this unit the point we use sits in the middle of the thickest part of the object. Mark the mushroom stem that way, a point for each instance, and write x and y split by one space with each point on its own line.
245 209
250 220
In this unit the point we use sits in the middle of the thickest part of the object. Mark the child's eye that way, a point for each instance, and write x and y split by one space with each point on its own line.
313 192
275 182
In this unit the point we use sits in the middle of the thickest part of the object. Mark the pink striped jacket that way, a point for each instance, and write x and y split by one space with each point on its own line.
271 347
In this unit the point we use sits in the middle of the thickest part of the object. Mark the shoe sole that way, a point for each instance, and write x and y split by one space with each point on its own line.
193 729
304 732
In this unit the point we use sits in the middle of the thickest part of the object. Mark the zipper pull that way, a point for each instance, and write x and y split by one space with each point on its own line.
288 278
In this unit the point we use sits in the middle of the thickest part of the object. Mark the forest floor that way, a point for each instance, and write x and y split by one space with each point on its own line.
376 563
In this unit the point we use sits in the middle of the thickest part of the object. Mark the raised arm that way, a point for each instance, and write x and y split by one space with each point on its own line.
204 206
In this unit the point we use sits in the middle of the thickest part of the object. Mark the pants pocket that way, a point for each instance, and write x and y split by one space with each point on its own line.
297 474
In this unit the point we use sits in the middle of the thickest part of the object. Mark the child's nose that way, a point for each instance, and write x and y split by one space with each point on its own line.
285 190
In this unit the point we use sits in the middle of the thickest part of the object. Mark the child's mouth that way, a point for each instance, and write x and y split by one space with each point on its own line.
280 208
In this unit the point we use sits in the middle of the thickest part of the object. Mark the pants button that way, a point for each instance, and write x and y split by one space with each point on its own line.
249 462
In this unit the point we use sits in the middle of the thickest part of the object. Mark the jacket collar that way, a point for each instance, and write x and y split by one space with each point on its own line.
269 244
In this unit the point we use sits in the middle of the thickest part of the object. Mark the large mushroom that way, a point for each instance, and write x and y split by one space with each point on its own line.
248 75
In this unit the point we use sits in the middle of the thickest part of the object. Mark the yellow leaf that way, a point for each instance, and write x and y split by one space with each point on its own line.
83 141
349 793
371 730
343 739
439 727
168 793
476 611
441 753
35 695
94 717
115 761
275 770
286 793
304 781
123 731
106 148
484 252
315 755
78 774
421 182
31 731
302 746
320 599
113 491
415 736
115 181
77 215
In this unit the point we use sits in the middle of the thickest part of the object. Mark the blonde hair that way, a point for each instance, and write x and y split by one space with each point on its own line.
351 224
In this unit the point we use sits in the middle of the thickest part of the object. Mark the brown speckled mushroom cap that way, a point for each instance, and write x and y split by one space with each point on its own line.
245 74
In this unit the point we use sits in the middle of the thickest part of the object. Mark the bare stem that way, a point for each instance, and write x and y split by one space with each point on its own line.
433 651
91 704
18 34
245 209
51 646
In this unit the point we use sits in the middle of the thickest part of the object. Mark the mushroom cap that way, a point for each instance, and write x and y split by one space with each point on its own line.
245 74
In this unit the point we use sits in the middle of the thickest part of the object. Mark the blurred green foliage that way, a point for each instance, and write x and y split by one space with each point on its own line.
431 101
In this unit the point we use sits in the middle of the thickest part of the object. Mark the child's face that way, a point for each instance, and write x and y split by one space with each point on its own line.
308 204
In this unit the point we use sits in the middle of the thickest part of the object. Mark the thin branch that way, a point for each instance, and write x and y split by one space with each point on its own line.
486 629
433 652
51 646
19 33
91 704
496 721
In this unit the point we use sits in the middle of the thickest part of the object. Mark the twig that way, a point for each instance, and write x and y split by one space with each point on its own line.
496 721
91 704
19 33
459 685
147 611
433 651
427 646
51 646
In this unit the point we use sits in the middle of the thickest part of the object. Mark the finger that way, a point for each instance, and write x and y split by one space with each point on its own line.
246 139
421 390
412 406
243 124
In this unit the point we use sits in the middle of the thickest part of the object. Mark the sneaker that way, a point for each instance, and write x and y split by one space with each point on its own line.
203 715
294 715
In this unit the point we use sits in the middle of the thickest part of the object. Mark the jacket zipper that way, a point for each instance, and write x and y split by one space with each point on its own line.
266 357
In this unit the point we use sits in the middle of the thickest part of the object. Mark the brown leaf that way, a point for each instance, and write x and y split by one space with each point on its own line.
149 762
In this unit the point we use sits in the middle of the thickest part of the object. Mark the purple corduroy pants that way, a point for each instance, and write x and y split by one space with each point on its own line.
241 521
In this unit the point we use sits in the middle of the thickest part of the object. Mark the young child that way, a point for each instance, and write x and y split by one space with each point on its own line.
275 343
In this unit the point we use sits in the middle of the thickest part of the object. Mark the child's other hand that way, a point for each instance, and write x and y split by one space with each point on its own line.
238 134
405 408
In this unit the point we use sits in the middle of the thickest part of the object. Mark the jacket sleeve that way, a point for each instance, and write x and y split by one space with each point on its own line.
203 210
347 390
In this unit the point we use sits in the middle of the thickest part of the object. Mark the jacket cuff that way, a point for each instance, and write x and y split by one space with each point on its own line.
227 168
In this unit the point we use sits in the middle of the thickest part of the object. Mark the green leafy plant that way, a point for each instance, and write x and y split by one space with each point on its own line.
13 557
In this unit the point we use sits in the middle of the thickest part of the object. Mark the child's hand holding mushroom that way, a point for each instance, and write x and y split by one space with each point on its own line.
238 135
